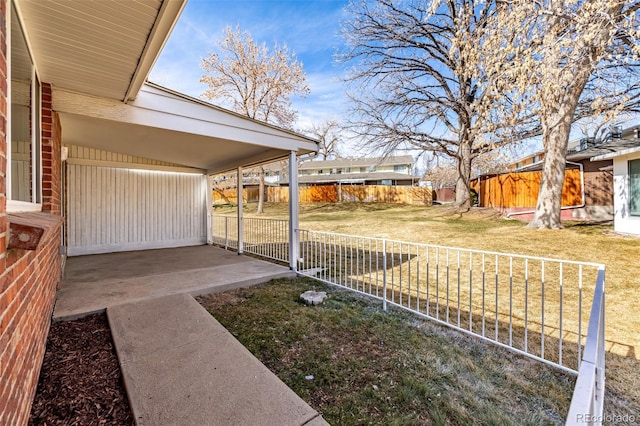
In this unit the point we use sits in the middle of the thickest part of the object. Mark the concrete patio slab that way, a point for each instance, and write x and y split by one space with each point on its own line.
182 367
93 283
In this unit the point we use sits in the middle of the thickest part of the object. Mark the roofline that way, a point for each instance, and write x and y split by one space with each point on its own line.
166 20
366 161
611 155
227 111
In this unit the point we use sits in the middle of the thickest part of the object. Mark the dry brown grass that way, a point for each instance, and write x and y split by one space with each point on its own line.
359 365
485 229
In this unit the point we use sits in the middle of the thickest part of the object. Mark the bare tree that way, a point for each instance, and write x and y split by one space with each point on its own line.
563 61
442 172
420 82
251 80
328 133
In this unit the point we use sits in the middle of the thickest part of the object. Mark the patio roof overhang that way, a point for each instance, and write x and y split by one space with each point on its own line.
100 48
168 126
97 56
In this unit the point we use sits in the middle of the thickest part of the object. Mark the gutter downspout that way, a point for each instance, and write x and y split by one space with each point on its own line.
582 195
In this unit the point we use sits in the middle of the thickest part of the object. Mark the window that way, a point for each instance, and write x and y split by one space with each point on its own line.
347 170
24 188
634 187
399 168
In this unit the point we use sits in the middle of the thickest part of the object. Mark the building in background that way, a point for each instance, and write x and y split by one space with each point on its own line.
386 171
589 179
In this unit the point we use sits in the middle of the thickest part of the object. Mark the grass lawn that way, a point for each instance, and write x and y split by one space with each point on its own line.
484 229
357 364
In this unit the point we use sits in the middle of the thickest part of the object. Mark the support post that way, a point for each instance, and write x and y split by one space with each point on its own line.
239 186
209 200
293 212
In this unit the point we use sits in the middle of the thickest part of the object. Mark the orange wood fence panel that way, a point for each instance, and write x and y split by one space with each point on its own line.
521 189
355 193
230 196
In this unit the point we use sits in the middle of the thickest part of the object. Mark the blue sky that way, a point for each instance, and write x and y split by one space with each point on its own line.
311 29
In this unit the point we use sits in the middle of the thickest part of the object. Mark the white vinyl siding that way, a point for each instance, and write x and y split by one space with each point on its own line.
85 153
119 209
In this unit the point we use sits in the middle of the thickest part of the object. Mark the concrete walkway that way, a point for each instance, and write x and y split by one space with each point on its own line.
181 367
93 283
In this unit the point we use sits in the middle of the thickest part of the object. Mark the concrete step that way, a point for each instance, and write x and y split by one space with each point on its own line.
182 367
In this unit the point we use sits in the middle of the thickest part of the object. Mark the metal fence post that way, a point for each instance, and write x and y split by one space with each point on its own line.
226 233
294 247
240 223
384 275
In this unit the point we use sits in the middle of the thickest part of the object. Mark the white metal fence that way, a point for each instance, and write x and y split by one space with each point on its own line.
225 231
587 404
267 238
531 305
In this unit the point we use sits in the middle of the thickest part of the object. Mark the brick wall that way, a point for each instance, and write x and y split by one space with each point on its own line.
598 184
28 278
3 132
51 170
27 297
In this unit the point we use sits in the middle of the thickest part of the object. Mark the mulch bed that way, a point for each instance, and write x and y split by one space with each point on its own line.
80 381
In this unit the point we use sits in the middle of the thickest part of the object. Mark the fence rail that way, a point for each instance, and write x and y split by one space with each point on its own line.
267 238
533 306
587 404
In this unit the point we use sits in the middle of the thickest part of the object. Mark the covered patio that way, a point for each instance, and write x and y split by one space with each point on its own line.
125 165
136 156
94 283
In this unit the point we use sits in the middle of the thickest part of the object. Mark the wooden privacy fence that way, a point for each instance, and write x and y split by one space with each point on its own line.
230 196
521 189
335 193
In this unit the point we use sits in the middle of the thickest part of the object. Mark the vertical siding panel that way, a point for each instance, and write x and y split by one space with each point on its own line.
132 212
82 201
100 189
71 209
111 178
93 205
164 194
119 208
119 202
148 210
86 202
154 212
128 213
81 216
174 207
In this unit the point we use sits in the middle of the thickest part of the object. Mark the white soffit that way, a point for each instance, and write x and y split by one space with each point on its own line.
101 48
620 153
163 126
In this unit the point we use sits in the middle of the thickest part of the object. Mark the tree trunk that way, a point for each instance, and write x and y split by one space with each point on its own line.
463 182
261 192
559 106
555 140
